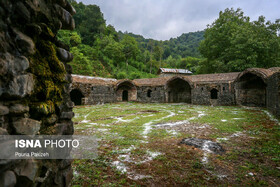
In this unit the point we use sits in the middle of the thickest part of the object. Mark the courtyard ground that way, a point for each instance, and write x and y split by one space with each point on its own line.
139 144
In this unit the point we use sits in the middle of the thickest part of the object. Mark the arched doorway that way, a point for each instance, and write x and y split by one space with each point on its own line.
125 95
76 96
179 90
214 93
126 91
251 90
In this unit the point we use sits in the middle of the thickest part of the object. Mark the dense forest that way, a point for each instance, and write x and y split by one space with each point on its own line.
231 43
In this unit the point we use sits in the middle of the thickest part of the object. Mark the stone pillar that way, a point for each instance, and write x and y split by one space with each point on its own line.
34 85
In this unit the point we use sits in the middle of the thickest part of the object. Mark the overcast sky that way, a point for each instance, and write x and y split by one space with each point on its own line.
163 19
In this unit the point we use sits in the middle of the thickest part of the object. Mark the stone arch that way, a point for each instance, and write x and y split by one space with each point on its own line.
250 87
178 89
77 96
214 93
126 91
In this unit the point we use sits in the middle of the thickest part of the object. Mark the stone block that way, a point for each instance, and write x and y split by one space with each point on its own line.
21 86
64 128
64 55
18 109
8 179
25 43
3 131
27 126
67 115
23 12
4 110
27 173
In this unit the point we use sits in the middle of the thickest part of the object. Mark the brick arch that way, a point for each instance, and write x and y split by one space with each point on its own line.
178 89
126 91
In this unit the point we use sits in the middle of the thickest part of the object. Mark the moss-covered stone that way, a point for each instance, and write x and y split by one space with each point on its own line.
43 108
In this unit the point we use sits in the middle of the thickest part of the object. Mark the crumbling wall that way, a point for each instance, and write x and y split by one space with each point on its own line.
201 94
156 94
273 94
34 85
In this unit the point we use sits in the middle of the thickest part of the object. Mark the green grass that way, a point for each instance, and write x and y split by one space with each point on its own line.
121 127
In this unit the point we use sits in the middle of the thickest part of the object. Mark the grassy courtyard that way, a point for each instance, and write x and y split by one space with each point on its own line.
139 144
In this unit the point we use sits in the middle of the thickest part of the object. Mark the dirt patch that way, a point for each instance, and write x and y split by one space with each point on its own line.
176 166
149 111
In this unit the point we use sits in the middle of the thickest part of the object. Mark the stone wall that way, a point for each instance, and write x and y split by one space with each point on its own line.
273 94
201 94
149 94
35 85
102 94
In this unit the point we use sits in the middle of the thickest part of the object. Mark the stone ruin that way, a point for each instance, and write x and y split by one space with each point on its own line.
255 87
34 85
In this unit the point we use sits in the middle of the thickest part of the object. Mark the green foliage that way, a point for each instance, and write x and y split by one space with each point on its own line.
121 75
89 22
233 43
70 38
101 51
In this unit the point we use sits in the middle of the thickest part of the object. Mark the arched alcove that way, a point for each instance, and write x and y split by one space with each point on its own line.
178 90
126 91
76 96
251 90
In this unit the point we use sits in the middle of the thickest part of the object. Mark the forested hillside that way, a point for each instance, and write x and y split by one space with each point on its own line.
99 50
231 43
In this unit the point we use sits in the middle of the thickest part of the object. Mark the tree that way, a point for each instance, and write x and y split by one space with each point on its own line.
130 48
233 43
158 52
89 22
114 50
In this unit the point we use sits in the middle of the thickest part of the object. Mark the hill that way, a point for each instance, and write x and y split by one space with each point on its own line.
99 50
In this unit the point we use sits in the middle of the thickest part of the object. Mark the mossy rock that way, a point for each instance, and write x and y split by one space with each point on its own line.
43 108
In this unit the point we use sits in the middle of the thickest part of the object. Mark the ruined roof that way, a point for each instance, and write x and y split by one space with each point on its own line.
93 80
275 69
160 81
121 81
179 71
263 73
216 77
185 78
